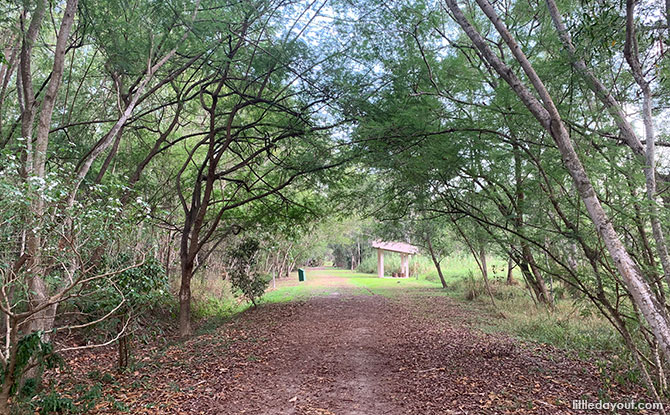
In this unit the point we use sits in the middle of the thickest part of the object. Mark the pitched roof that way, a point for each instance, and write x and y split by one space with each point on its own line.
401 247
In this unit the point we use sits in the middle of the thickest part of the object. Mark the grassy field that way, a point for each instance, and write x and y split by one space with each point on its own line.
454 267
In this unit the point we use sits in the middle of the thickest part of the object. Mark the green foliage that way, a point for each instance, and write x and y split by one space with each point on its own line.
143 284
214 307
31 348
438 141
139 287
89 398
55 403
473 288
245 278
80 400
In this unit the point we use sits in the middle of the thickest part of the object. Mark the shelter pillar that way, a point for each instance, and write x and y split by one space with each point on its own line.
404 269
380 263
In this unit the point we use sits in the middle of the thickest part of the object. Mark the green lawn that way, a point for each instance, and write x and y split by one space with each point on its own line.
390 287
317 284
291 293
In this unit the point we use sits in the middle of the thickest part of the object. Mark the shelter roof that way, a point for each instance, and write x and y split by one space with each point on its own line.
400 247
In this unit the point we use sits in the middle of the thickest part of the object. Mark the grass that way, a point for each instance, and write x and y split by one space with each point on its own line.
390 287
286 294
573 325
454 267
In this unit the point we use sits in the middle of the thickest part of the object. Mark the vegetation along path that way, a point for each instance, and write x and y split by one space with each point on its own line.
344 343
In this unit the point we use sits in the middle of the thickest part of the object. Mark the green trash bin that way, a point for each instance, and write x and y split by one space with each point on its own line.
301 274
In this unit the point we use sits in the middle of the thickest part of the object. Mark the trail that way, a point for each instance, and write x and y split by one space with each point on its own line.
348 352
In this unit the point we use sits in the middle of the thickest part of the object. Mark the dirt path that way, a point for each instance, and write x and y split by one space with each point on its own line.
330 360
349 353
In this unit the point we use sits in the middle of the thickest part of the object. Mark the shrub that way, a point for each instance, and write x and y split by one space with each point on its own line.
473 288
245 278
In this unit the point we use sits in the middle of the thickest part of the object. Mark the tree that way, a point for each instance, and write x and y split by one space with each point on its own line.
474 146
547 114
260 108
56 244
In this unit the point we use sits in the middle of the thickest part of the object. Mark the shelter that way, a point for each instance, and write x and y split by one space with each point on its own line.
404 249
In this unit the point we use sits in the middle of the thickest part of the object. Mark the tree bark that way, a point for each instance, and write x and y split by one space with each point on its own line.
616 110
43 320
10 375
185 298
631 55
529 268
536 276
510 267
485 274
104 143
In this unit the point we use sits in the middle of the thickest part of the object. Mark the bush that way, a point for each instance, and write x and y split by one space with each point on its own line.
246 281
214 307
54 402
473 288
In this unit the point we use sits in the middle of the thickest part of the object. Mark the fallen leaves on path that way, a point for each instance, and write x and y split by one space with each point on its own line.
350 354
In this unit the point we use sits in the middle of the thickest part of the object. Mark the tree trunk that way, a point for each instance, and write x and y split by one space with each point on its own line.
358 245
528 267
510 276
185 298
436 262
538 280
10 375
39 292
630 53
485 274
616 110
124 346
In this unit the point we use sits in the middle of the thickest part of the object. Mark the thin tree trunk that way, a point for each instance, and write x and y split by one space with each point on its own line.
534 277
10 375
482 266
14 45
102 144
485 274
436 262
631 54
25 82
168 256
537 275
39 292
510 268
613 106
358 243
